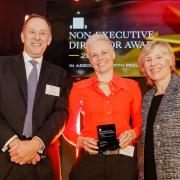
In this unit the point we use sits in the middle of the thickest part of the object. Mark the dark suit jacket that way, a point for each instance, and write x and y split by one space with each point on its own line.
49 112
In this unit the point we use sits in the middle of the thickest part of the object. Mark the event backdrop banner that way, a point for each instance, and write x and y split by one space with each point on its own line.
128 24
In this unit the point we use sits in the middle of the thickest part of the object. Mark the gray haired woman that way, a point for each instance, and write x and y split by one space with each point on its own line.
159 156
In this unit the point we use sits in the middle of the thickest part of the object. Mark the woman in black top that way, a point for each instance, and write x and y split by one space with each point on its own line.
159 156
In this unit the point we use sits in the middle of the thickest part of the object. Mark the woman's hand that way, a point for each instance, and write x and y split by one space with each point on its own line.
126 138
88 144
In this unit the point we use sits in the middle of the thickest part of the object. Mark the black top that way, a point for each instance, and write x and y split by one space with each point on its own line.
149 161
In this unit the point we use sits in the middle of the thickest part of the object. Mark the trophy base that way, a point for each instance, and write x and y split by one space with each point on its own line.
105 146
109 152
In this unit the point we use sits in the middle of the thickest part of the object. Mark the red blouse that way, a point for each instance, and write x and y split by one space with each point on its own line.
97 109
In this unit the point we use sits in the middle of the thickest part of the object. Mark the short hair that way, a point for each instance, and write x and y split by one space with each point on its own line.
163 46
96 37
31 16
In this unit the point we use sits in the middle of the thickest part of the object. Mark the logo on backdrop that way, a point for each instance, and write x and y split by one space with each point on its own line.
78 23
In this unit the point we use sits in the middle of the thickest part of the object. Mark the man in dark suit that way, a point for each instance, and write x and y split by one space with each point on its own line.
31 114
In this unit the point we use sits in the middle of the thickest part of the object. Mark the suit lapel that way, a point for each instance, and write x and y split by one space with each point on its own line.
19 69
146 106
43 79
167 100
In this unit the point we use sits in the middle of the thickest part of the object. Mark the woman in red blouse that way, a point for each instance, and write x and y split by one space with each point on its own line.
103 99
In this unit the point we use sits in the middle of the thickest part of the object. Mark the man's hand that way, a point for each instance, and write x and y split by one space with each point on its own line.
89 144
14 142
34 160
25 152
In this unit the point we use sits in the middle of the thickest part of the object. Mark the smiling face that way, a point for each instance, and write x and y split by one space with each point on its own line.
36 36
101 55
157 65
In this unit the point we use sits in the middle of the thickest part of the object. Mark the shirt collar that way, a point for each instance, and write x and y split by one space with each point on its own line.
117 81
27 58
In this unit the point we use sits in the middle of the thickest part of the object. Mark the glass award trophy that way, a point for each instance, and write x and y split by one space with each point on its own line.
107 138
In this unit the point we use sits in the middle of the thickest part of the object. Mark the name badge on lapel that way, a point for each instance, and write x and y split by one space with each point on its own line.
52 90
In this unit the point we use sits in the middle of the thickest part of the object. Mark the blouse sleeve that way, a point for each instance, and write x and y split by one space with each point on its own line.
70 131
136 111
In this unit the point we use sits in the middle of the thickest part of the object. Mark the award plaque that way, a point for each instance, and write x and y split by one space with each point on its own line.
107 138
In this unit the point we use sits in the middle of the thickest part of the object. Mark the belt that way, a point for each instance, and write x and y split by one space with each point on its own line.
103 153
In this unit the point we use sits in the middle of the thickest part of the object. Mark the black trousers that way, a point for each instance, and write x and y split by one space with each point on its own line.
25 172
104 167
29 172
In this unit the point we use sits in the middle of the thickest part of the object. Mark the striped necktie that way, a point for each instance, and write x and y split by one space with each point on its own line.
31 87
